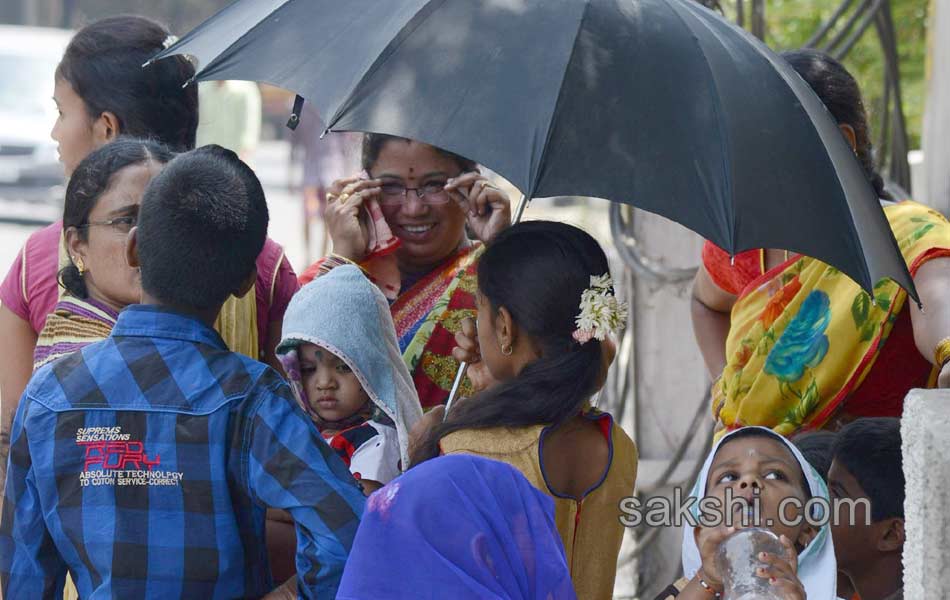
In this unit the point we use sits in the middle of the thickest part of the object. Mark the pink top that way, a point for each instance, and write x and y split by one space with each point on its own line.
31 291
276 284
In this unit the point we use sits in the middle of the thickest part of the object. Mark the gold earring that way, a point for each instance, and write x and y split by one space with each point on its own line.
507 350
79 265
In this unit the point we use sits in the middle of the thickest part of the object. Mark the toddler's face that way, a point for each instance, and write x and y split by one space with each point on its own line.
762 467
332 388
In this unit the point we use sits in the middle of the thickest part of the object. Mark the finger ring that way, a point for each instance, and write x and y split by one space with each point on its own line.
343 198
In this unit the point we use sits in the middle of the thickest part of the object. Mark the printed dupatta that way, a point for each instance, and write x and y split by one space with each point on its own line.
427 317
804 335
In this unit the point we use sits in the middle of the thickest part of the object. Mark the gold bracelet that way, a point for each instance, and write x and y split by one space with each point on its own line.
942 352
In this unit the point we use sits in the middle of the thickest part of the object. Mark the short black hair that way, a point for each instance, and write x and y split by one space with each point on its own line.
89 181
870 450
202 224
816 447
103 64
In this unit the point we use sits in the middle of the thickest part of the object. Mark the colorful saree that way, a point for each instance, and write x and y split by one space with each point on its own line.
427 317
804 336
72 325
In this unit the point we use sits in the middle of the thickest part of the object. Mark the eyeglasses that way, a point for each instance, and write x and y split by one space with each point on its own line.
394 194
119 224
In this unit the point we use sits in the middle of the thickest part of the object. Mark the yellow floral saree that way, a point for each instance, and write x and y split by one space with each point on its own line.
804 336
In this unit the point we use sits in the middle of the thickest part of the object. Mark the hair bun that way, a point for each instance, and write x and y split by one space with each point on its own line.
71 279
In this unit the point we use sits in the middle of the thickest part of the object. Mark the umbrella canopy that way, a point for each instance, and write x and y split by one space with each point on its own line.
661 104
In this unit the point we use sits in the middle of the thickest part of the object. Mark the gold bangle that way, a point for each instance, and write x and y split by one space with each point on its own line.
942 352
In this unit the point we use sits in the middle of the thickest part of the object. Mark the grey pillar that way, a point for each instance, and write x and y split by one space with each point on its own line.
925 431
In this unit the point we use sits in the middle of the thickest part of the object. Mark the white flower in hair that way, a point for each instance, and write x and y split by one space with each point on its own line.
602 282
601 312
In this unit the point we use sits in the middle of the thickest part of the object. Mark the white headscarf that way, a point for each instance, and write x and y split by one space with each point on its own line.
817 568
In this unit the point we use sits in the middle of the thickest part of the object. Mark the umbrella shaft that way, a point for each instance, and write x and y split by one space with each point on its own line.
519 210
463 367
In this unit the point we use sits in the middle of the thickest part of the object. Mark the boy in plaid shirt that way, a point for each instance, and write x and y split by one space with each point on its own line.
143 464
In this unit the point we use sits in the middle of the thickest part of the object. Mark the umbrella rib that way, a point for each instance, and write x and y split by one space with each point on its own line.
533 185
411 25
723 132
226 50
188 37
852 224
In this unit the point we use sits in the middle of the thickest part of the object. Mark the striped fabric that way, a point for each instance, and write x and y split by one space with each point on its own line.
73 325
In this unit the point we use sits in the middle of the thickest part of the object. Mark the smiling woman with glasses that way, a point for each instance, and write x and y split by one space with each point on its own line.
102 205
431 201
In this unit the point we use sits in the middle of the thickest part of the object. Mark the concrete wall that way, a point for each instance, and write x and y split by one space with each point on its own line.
925 430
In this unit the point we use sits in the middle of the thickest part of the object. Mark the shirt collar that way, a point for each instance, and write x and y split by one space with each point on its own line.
147 320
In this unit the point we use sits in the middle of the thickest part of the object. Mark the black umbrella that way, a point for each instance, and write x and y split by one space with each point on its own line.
661 104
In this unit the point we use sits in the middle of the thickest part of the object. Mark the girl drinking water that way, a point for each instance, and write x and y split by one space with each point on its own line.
757 463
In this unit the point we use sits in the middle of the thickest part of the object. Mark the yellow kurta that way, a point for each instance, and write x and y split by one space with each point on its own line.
590 528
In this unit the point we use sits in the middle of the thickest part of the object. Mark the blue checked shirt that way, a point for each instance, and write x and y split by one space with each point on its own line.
143 464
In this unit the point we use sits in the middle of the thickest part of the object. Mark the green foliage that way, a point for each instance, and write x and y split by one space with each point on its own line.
790 23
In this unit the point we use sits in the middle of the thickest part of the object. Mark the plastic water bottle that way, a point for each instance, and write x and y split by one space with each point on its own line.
738 559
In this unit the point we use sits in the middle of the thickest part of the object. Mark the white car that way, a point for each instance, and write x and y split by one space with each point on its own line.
28 59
